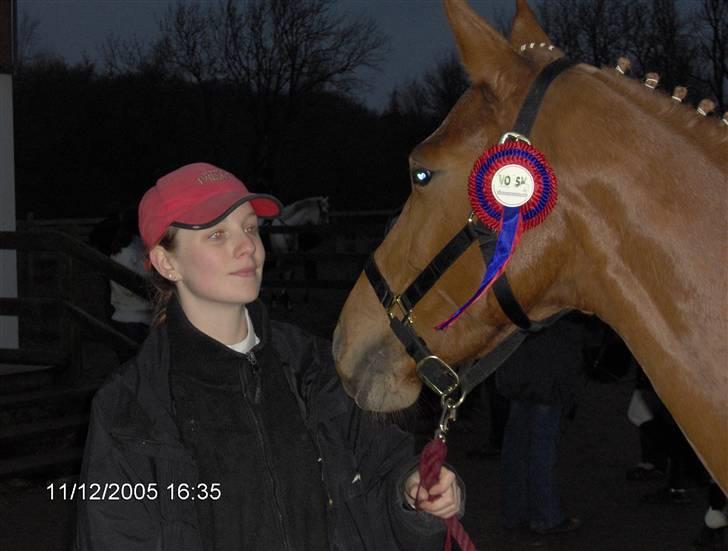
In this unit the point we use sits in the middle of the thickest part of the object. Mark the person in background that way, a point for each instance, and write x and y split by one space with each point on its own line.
233 430
497 418
542 379
132 314
664 450
654 456
714 532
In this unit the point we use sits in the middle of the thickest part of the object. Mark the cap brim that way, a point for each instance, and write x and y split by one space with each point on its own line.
211 211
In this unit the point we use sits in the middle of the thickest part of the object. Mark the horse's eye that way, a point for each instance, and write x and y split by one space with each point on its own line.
421 176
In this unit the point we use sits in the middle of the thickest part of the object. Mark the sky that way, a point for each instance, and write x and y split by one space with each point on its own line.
417 30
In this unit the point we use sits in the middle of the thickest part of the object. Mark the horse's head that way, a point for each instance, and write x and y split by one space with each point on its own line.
309 210
638 235
372 363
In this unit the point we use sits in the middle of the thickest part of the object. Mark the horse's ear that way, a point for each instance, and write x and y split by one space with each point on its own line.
525 28
484 53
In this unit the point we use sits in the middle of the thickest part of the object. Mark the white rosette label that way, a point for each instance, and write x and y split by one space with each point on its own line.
512 185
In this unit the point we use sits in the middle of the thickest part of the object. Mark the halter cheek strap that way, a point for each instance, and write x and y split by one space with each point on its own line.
531 105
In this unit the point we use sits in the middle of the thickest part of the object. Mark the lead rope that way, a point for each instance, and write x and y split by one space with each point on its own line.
431 460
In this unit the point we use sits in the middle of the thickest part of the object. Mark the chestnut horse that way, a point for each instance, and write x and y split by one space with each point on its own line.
638 235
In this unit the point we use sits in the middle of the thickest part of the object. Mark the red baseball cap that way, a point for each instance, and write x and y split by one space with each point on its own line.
194 197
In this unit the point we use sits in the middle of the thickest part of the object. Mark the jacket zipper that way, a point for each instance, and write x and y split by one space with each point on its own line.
261 436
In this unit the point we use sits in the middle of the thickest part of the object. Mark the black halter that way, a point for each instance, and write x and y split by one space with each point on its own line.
435 373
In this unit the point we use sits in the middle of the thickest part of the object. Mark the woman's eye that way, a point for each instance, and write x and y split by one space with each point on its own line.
251 229
215 235
421 176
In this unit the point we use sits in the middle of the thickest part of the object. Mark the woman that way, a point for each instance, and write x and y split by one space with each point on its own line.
230 431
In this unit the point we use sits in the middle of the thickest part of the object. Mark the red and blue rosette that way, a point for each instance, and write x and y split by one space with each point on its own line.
512 188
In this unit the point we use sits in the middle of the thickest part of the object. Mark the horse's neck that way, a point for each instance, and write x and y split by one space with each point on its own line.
646 206
650 248
651 259
656 241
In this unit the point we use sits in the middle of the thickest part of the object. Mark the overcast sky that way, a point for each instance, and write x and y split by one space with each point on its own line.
417 30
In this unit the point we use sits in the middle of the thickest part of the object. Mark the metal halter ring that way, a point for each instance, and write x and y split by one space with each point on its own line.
513 136
406 313
449 409
448 400
441 379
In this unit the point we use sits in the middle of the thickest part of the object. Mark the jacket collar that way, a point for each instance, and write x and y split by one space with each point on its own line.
195 355
147 377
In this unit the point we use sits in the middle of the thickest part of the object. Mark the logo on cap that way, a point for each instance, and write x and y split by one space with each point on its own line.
214 175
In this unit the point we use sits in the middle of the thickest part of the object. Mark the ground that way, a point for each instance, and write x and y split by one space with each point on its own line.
596 449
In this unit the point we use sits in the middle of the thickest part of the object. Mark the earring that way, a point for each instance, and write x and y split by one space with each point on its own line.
172 277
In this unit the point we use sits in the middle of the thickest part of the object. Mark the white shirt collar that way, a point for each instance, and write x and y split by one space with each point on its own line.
249 341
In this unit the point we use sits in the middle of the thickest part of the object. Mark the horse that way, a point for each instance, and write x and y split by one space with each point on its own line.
638 235
307 211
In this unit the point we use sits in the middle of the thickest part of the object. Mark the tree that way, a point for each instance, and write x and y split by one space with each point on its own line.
128 56
27 37
188 47
431 96
665 44
281 54
713 48
652 33
445 83
593 31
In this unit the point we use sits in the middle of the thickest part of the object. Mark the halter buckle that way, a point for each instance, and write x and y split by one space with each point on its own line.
440 378
515 136
397 302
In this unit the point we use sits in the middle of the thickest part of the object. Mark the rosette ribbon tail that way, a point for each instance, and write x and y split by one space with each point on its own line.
509 234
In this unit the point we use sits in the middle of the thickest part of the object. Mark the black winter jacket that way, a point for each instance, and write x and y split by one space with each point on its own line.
134 444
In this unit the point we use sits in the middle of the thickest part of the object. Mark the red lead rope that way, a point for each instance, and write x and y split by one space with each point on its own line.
431 459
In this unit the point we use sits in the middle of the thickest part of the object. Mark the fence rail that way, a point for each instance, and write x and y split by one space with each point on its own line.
65 245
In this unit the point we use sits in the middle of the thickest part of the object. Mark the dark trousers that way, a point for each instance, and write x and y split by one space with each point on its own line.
530 491
498 410
664 445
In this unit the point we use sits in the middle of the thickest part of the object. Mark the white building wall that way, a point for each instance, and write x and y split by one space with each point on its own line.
8 264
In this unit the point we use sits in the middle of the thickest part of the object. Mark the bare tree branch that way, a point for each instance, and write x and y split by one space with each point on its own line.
123 56
27 37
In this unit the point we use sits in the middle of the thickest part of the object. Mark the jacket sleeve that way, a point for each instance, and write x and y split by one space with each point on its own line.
106 521
383 457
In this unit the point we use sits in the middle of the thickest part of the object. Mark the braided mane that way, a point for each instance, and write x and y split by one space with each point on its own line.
709 132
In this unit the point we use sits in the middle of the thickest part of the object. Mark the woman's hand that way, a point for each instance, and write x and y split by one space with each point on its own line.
442 500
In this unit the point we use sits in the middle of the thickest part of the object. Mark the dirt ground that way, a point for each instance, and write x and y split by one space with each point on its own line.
596 449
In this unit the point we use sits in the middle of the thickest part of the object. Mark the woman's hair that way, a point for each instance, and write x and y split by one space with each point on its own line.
163 289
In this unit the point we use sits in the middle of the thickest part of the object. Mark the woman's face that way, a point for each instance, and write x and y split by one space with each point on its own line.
221 265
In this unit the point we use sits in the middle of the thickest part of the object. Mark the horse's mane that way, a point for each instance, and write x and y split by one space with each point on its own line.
706 131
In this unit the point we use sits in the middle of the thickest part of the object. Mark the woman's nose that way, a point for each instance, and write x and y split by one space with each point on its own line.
245 243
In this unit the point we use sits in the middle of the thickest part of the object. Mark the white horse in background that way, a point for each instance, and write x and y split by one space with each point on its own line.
307 211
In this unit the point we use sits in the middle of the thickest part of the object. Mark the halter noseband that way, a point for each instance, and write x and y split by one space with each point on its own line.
434 372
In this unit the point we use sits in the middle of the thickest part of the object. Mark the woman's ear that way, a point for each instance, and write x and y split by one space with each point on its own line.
163 263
